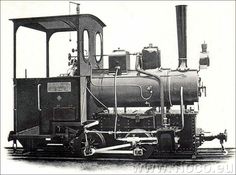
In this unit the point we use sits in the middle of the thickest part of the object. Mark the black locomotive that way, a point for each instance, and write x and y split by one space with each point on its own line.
87 111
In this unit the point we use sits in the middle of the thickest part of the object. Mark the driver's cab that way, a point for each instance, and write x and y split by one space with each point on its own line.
43 104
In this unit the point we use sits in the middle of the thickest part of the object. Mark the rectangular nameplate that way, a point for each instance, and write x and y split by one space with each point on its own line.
59 87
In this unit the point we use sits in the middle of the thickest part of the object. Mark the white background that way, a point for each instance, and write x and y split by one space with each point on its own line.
131 26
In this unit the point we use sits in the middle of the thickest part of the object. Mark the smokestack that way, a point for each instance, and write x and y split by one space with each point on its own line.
182 37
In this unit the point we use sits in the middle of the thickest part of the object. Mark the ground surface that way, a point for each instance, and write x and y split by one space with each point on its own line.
208 161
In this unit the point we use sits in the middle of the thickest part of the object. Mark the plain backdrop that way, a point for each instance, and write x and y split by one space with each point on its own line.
131 25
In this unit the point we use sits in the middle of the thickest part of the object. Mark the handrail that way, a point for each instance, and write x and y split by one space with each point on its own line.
39 106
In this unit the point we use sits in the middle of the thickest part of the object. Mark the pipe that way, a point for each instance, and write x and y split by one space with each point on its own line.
182 107
115 109
97 99
138 69
182 37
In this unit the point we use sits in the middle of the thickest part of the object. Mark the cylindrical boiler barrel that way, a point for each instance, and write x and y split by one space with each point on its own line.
140 91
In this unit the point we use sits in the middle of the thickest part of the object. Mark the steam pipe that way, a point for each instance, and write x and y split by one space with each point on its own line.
182 108
115 109
138 69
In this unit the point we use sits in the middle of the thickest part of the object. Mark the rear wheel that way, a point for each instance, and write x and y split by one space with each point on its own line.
95 140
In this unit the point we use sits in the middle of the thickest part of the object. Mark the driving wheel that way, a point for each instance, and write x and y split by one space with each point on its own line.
147 148
95 140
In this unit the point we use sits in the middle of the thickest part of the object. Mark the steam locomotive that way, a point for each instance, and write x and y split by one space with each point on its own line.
91 111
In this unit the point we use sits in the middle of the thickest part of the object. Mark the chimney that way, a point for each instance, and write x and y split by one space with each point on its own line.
182 37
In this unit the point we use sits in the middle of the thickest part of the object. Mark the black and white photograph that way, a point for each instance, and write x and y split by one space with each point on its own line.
117 87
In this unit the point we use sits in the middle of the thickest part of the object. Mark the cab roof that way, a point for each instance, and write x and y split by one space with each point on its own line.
55 23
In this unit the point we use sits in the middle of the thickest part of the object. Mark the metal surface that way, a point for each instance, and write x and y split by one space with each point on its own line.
137 139
131 88
116 152
101 150
119 58
14 50
56 111
62 97
151 58
39 102
91 124
26 104
115 102
48 36
160 81
182 108
181 30
53 24
182 37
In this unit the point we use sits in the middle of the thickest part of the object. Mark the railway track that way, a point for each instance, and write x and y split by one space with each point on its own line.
203 155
